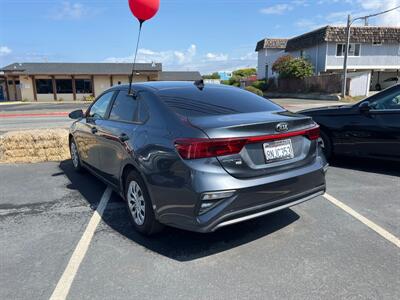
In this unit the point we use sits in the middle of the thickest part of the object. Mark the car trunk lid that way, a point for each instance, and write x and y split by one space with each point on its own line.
272 141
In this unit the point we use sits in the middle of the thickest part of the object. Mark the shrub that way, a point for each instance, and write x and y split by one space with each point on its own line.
297 68
254 90
235 81
226 82
289 67
260 84
280 63
88 98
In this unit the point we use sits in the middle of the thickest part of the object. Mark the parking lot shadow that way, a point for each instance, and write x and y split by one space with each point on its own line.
367 165
173 243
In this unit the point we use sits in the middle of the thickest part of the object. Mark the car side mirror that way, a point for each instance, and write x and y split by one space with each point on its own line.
76 114
364 107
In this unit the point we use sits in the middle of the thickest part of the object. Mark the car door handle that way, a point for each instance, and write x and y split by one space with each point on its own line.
123 137
94 130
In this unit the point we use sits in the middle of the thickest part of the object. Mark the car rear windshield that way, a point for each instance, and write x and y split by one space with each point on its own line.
192 102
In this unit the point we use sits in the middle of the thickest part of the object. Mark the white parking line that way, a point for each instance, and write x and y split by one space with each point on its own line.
64 284
384 233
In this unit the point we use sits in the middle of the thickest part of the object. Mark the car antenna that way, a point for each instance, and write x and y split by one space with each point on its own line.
199 84
130 92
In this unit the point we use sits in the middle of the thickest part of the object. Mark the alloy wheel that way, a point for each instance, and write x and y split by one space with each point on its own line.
136 202
74 155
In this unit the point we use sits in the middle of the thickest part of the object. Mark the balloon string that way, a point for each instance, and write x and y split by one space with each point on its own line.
134 59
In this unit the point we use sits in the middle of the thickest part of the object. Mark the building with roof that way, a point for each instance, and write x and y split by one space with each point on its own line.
266 49
372 49
75 81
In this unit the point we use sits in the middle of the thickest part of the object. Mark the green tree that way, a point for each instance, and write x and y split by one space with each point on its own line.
244 73
214 75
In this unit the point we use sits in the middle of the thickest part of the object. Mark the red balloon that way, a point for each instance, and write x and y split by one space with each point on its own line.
144 9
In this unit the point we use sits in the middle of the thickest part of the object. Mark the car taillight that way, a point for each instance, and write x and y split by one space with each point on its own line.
193 148
202 148
313 133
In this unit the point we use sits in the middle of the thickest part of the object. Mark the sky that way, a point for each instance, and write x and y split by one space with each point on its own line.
195 35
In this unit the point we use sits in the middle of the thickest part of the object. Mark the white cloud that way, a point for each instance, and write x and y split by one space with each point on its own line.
189 59
4 50
277 9
389 19
69 11
250 56
300 2
305 23
168 57
337 16
216 57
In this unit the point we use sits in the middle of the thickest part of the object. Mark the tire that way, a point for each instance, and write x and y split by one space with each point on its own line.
139 205
76 160
378 87
326 145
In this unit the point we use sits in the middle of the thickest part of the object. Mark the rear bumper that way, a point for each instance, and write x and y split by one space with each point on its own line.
262 210
253 198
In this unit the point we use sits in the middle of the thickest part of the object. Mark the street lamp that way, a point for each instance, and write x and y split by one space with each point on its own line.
346 53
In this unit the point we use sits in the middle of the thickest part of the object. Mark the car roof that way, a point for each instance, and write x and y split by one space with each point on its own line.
168 85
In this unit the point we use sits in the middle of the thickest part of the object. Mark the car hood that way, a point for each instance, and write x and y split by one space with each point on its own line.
326 110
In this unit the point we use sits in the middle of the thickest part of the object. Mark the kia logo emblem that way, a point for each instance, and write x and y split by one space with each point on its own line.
282 127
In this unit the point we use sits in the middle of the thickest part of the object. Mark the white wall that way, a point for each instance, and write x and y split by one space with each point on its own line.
316 55
262 60
386 56
359 83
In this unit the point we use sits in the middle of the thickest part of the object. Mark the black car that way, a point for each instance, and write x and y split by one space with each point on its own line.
195 156
370 128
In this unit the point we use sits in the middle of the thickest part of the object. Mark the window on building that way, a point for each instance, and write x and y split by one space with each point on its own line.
44 86
354 49
10 82
64 86
124 108
83 86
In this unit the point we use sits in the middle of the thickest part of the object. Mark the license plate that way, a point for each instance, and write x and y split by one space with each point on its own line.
278 150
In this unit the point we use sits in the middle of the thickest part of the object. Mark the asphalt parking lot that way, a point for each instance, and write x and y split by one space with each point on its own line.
312 251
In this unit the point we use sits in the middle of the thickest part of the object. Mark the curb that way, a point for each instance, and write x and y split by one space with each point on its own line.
50 114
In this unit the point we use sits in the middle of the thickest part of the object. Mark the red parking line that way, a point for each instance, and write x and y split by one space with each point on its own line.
20 115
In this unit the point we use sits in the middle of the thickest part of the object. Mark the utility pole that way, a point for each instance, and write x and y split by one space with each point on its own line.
346 53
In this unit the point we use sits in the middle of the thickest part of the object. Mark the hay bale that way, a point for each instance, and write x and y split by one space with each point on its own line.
34 146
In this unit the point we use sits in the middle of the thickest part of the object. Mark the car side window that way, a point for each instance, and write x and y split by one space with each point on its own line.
99 108
143 114
387 100
124 108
